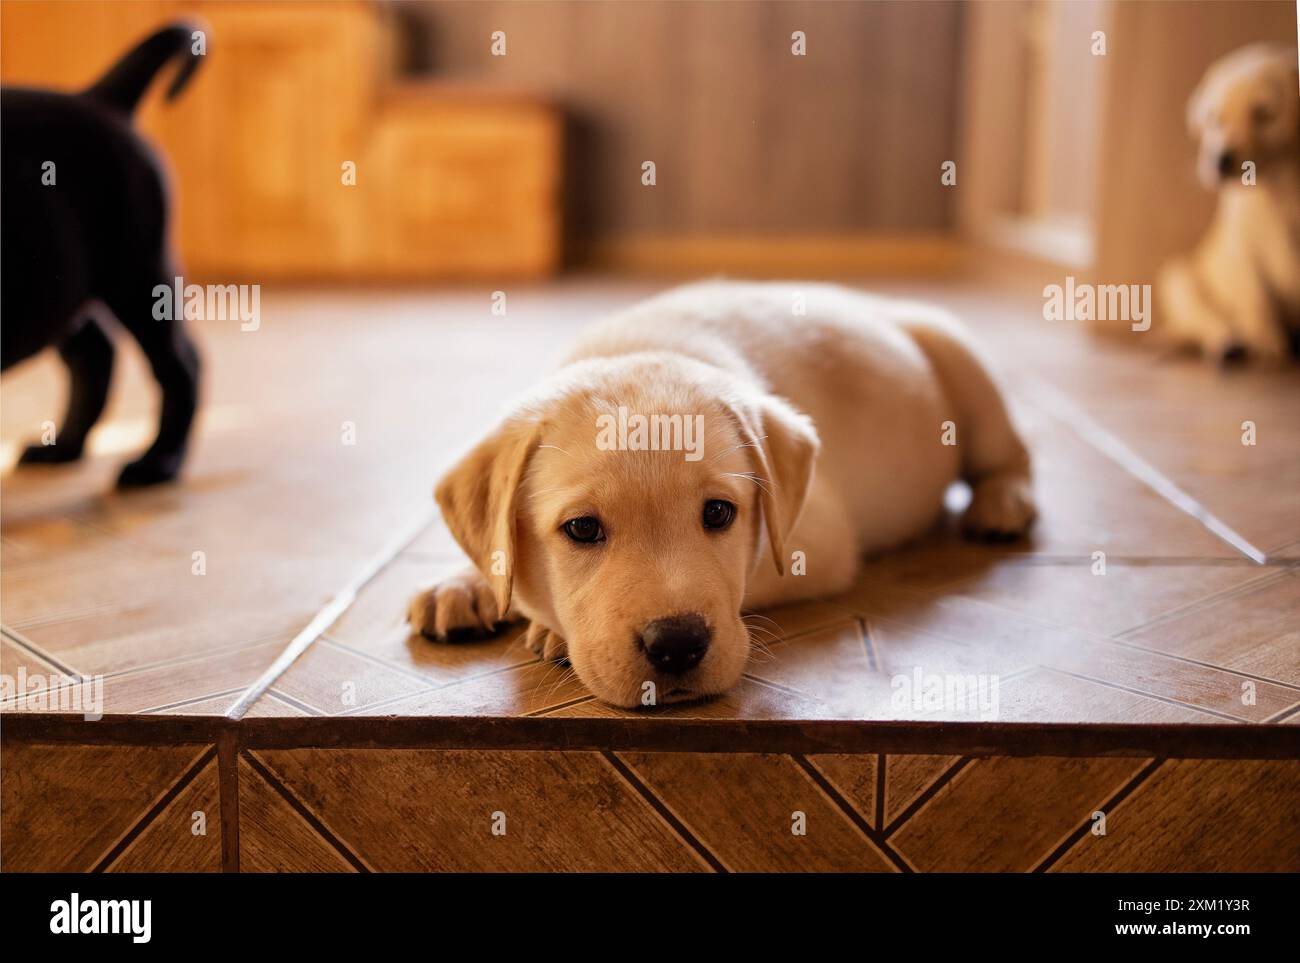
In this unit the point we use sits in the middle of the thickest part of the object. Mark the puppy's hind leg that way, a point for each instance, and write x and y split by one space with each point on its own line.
1189 319
994 460
175 364
88 354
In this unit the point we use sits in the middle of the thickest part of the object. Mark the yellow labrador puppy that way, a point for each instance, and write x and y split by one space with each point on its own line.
1239 291
721 447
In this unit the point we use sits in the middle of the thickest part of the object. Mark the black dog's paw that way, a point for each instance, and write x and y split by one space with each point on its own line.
149 471
50 454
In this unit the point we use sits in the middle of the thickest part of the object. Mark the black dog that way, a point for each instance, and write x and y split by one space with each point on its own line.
97 233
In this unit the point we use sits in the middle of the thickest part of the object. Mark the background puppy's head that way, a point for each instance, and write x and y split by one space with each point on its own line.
625 506
1246 108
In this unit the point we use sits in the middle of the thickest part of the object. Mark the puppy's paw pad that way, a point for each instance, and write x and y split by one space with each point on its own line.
457 608
542 641
1001 510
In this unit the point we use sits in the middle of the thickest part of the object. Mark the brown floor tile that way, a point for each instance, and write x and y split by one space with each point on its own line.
274 837
1125 597
906 777
1227 694
185 837
748 700
999 640
426 810
1007 815
855 777
1256 630
15 658
1044 695
334 680
745 807
832 666
375 625
66 806
275 705
196 682
536 688
1200 815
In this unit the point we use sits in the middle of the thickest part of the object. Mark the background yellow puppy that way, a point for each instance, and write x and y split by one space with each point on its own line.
1239 291
663 479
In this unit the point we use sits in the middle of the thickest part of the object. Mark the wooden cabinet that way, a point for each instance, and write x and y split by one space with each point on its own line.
461 184
448 182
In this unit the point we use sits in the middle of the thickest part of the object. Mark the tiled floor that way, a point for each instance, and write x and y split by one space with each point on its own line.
186 600
285 514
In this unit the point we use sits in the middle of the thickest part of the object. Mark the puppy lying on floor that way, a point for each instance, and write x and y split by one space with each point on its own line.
693 446
1239 291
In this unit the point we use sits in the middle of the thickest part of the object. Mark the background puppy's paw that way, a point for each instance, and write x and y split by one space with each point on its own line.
150 470
459 607
1001 509
49 455
542 641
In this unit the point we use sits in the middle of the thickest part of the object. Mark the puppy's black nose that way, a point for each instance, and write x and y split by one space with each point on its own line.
1226 164
676 644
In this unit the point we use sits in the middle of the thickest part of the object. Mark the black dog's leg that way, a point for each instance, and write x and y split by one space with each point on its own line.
88 353
175 364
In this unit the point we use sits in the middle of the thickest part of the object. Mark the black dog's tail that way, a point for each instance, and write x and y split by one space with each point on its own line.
128 79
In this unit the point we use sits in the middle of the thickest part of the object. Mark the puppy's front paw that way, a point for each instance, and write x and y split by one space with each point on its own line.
542 641
1001 509
457 608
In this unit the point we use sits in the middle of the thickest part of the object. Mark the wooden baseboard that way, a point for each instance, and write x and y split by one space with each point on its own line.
786 256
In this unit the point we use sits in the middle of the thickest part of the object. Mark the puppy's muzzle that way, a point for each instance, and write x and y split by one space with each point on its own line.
677 644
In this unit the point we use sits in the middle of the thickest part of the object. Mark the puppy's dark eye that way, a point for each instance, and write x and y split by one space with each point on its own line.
718 514
586 530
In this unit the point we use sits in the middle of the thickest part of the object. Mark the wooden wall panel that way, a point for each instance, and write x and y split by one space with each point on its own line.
436 810
747 137
185 837
65 807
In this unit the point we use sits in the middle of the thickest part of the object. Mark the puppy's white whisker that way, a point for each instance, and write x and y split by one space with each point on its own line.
749 476
727 451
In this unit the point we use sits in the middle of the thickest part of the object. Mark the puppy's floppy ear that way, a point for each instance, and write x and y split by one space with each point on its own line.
1196 108
782 447
478 501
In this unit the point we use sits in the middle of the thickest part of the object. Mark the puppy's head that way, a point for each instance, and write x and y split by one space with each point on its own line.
1245 109
625 507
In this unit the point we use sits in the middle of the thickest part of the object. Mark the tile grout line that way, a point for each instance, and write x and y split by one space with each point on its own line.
366 710
850 812
1282 715
1132 785
228 799
328 615
661 809
1158 698
1121 454
1206 665
1095 637
1204 602
925 795
136 829
272 779
31 648
305 707
881 765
